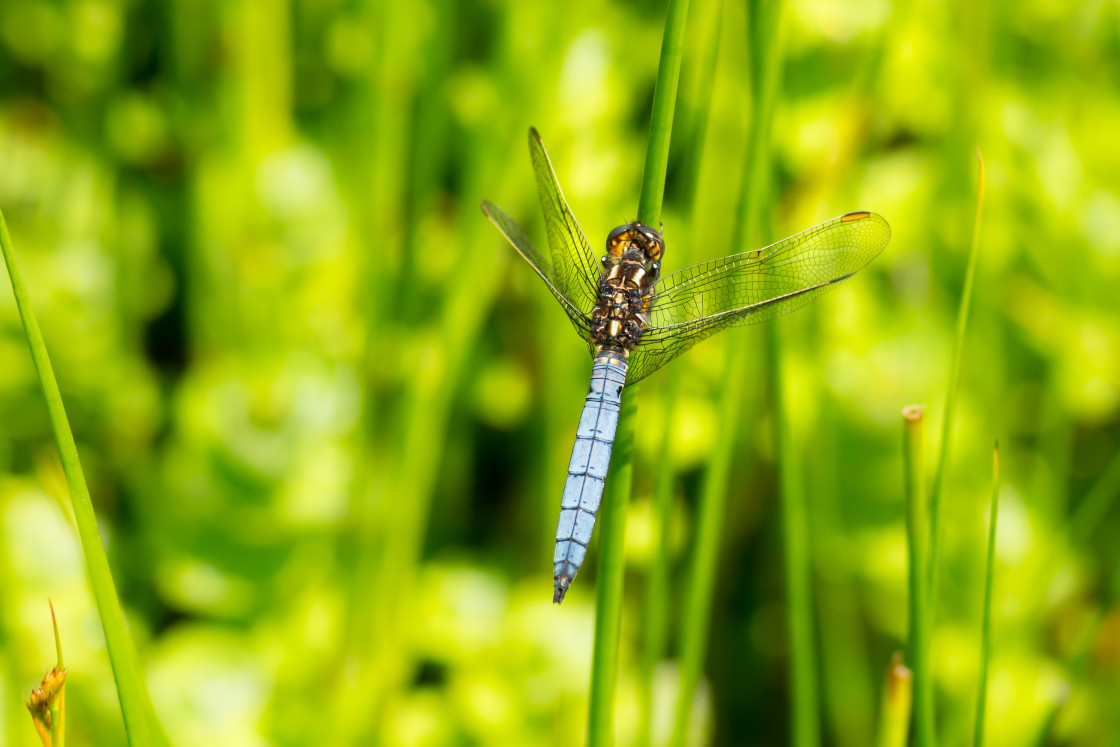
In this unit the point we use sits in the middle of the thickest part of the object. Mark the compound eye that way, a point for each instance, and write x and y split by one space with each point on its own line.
654 241
617 240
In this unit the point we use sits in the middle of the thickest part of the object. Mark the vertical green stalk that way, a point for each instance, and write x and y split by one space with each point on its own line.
986 617
894 711
58 731
612 566
764 30
655 613
661 118
917 527
951 394
702 569
135 707
657 601
608 612
847 691
805 712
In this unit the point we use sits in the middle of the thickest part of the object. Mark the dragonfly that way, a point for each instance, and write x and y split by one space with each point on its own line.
635 320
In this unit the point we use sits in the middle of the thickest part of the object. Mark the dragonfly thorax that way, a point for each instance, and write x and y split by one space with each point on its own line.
631 268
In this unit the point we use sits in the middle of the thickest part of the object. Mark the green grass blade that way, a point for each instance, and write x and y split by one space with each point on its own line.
135 707
702 568
951 394
894 711
612 566
695 118
661 119
713 497
986 617
804 686
917 528
656 607
612 532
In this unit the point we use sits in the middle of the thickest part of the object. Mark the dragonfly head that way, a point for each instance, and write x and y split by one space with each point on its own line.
636 242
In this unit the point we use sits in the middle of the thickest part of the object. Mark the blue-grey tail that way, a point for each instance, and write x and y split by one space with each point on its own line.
587 470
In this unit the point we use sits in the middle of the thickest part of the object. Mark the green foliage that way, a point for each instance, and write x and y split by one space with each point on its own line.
325 414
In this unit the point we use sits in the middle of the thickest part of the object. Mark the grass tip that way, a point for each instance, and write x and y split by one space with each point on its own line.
913 413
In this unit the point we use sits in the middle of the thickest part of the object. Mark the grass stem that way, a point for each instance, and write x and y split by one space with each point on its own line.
695 111
661 118
951 394
608 611
612 566
986 616
135 707
894 711
917 527
804 686
764 31
805 713
59 726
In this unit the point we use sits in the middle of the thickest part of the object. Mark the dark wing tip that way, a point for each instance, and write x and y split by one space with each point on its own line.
861 215
533 134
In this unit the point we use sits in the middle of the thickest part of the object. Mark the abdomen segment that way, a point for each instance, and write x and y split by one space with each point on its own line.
587 469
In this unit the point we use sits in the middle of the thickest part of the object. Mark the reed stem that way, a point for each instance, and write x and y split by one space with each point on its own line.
616 498
894 711
612 566
658 588
764 32
661 118
951 395
986 617
135 707
917 526
805 713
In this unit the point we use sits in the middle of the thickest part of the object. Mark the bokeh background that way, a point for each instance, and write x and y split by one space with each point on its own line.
325 411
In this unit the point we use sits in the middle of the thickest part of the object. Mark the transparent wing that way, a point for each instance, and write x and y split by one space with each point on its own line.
525 248
575 269
693 304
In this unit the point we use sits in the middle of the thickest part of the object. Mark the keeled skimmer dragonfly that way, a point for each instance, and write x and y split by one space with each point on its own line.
635 321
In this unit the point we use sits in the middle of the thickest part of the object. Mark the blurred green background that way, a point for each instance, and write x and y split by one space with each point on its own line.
325 411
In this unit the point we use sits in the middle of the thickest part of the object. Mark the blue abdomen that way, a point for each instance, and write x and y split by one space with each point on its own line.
587 469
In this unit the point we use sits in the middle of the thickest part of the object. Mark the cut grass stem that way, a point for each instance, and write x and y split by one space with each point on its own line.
135 706
917 527
894 711
612 530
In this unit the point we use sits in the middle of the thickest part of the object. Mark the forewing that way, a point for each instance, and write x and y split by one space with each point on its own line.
513 233
693 304
575 270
